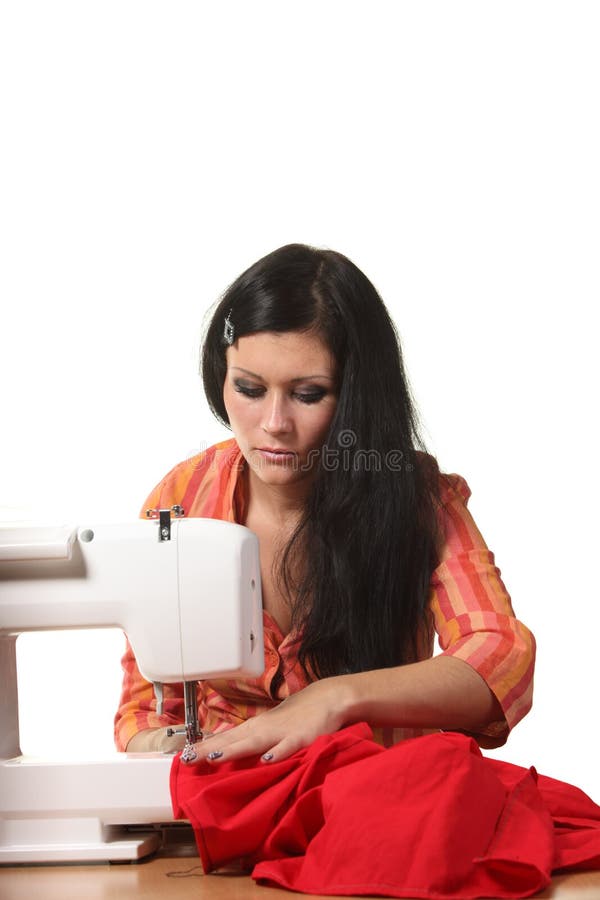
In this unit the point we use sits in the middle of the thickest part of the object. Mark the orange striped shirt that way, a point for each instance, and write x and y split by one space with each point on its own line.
470 609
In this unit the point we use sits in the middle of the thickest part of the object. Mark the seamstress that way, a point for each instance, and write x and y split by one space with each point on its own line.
367 550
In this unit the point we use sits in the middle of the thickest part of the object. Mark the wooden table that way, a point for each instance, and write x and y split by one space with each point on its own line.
175 873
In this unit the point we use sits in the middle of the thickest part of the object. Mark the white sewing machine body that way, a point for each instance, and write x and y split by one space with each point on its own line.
190 602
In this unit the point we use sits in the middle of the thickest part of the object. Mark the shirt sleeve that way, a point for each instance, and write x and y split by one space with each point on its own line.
473 615
137 706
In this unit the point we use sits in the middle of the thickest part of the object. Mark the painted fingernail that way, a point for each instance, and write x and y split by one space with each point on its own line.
216 754
267 757
189 754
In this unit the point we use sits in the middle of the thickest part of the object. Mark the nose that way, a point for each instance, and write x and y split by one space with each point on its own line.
276 418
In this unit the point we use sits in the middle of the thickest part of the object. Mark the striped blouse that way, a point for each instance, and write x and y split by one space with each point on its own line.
470 609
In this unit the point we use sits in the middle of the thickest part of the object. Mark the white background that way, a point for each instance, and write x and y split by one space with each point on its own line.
151 151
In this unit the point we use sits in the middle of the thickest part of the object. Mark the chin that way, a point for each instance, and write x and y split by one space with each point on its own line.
281 477
278 474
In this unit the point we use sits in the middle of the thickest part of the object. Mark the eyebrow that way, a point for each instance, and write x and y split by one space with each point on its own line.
292 380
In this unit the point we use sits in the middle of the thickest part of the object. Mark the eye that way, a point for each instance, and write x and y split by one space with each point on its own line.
248 391
255 392
310 397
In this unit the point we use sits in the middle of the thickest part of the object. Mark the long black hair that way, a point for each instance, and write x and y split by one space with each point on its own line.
357 568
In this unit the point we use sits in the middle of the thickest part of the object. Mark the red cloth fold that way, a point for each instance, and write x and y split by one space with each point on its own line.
429 817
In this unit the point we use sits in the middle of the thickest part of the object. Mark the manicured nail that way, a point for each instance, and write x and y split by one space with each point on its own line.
189 755
216 754
267 757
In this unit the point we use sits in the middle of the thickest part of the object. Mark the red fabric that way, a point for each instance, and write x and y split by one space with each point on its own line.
429 817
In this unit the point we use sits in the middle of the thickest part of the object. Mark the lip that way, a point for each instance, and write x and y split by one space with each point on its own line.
275 450
276 457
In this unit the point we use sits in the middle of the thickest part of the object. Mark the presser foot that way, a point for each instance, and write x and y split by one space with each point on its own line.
188 754
192 732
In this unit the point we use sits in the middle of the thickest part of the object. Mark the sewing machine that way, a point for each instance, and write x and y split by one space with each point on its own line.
187 593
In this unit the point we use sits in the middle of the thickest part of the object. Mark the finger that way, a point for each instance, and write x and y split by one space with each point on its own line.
252 745
284 749
224 746
268 749
216 741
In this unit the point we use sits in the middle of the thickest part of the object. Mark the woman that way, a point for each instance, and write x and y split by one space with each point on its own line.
366 549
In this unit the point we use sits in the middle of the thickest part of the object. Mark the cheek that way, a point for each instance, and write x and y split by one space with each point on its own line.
319 427
230 405
239 412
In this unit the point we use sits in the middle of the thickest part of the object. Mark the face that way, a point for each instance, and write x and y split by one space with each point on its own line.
279 394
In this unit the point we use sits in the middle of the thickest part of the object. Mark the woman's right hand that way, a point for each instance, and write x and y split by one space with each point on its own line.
153 740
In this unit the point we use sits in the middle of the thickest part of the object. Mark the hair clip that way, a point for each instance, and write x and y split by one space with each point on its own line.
228 330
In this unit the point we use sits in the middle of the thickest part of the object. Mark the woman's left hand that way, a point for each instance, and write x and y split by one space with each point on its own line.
295 723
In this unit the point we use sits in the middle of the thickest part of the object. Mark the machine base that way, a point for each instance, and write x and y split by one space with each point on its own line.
77 840
54 811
